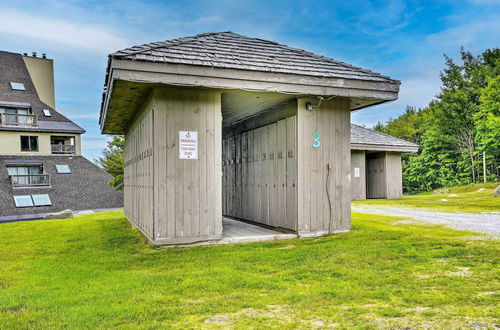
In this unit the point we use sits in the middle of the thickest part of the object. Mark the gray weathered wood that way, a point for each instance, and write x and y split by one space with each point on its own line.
393 177
331 121
358 184
186 205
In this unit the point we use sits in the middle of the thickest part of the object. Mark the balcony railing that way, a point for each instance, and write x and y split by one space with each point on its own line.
63 149
30 180
18 120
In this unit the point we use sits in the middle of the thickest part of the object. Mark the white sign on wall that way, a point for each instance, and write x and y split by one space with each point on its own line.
356 172
188 145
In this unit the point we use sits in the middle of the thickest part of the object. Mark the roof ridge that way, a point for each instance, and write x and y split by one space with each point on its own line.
173 42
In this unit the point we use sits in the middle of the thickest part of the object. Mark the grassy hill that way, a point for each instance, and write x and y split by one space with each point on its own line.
95 271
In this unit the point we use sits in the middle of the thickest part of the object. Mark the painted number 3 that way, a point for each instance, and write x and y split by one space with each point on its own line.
316 140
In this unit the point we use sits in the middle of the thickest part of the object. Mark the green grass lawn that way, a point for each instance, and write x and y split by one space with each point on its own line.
95 271
469 200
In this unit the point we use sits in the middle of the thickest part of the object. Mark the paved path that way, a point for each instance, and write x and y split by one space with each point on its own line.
488 223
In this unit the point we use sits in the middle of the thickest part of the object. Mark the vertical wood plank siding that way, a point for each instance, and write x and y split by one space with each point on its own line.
138 170
268 180
394 175
185 205
376 180
332 121
358 184
269 174
284 178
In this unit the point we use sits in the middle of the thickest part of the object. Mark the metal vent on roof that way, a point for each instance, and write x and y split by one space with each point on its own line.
47 113
17 86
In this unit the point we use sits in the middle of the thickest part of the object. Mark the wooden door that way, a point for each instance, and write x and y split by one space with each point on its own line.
375 178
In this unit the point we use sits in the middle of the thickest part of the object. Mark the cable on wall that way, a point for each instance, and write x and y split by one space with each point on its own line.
328 167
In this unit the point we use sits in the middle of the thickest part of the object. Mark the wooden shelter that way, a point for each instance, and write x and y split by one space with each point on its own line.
222 124
376 164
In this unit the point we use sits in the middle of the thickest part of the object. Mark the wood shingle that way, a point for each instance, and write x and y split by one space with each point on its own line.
233 51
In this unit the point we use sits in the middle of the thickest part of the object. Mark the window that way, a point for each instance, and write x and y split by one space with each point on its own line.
63 169
23 175
17 86
23 201
14 111
32 200
41 200
25 170
29 143
46 113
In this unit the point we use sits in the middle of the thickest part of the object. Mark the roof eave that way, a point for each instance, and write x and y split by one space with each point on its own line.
42 130
384 147
203 76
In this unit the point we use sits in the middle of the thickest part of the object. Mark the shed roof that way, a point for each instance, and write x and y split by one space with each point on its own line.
366 139
238 67
229 50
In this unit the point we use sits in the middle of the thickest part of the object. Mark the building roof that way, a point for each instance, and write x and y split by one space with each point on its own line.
86 188
229 50
240 67
367 139
13 69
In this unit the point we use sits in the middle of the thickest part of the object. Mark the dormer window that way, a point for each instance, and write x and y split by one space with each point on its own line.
46 113
17 86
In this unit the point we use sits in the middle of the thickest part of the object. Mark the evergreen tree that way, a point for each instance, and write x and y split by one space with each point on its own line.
456 128
112 160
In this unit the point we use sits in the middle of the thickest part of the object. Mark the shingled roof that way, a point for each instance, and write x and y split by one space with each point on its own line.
85 188
363 138
13 69
229 50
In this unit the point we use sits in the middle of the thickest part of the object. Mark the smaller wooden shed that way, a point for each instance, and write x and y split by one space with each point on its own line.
376 164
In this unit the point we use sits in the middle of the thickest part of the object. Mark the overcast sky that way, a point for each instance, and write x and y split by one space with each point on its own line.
403 39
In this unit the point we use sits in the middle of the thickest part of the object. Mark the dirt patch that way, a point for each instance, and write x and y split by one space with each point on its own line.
275 312
286 247
462 271
219 319
403 222
194 301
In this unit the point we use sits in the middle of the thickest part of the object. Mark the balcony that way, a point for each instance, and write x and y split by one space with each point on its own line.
18 120
63 149
30 180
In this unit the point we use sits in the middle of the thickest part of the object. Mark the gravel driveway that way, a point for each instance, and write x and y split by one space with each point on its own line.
488 223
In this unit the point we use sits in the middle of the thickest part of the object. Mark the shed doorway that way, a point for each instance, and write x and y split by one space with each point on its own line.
375 175
259 181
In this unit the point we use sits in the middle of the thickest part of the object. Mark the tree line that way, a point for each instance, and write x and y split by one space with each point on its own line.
459 131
